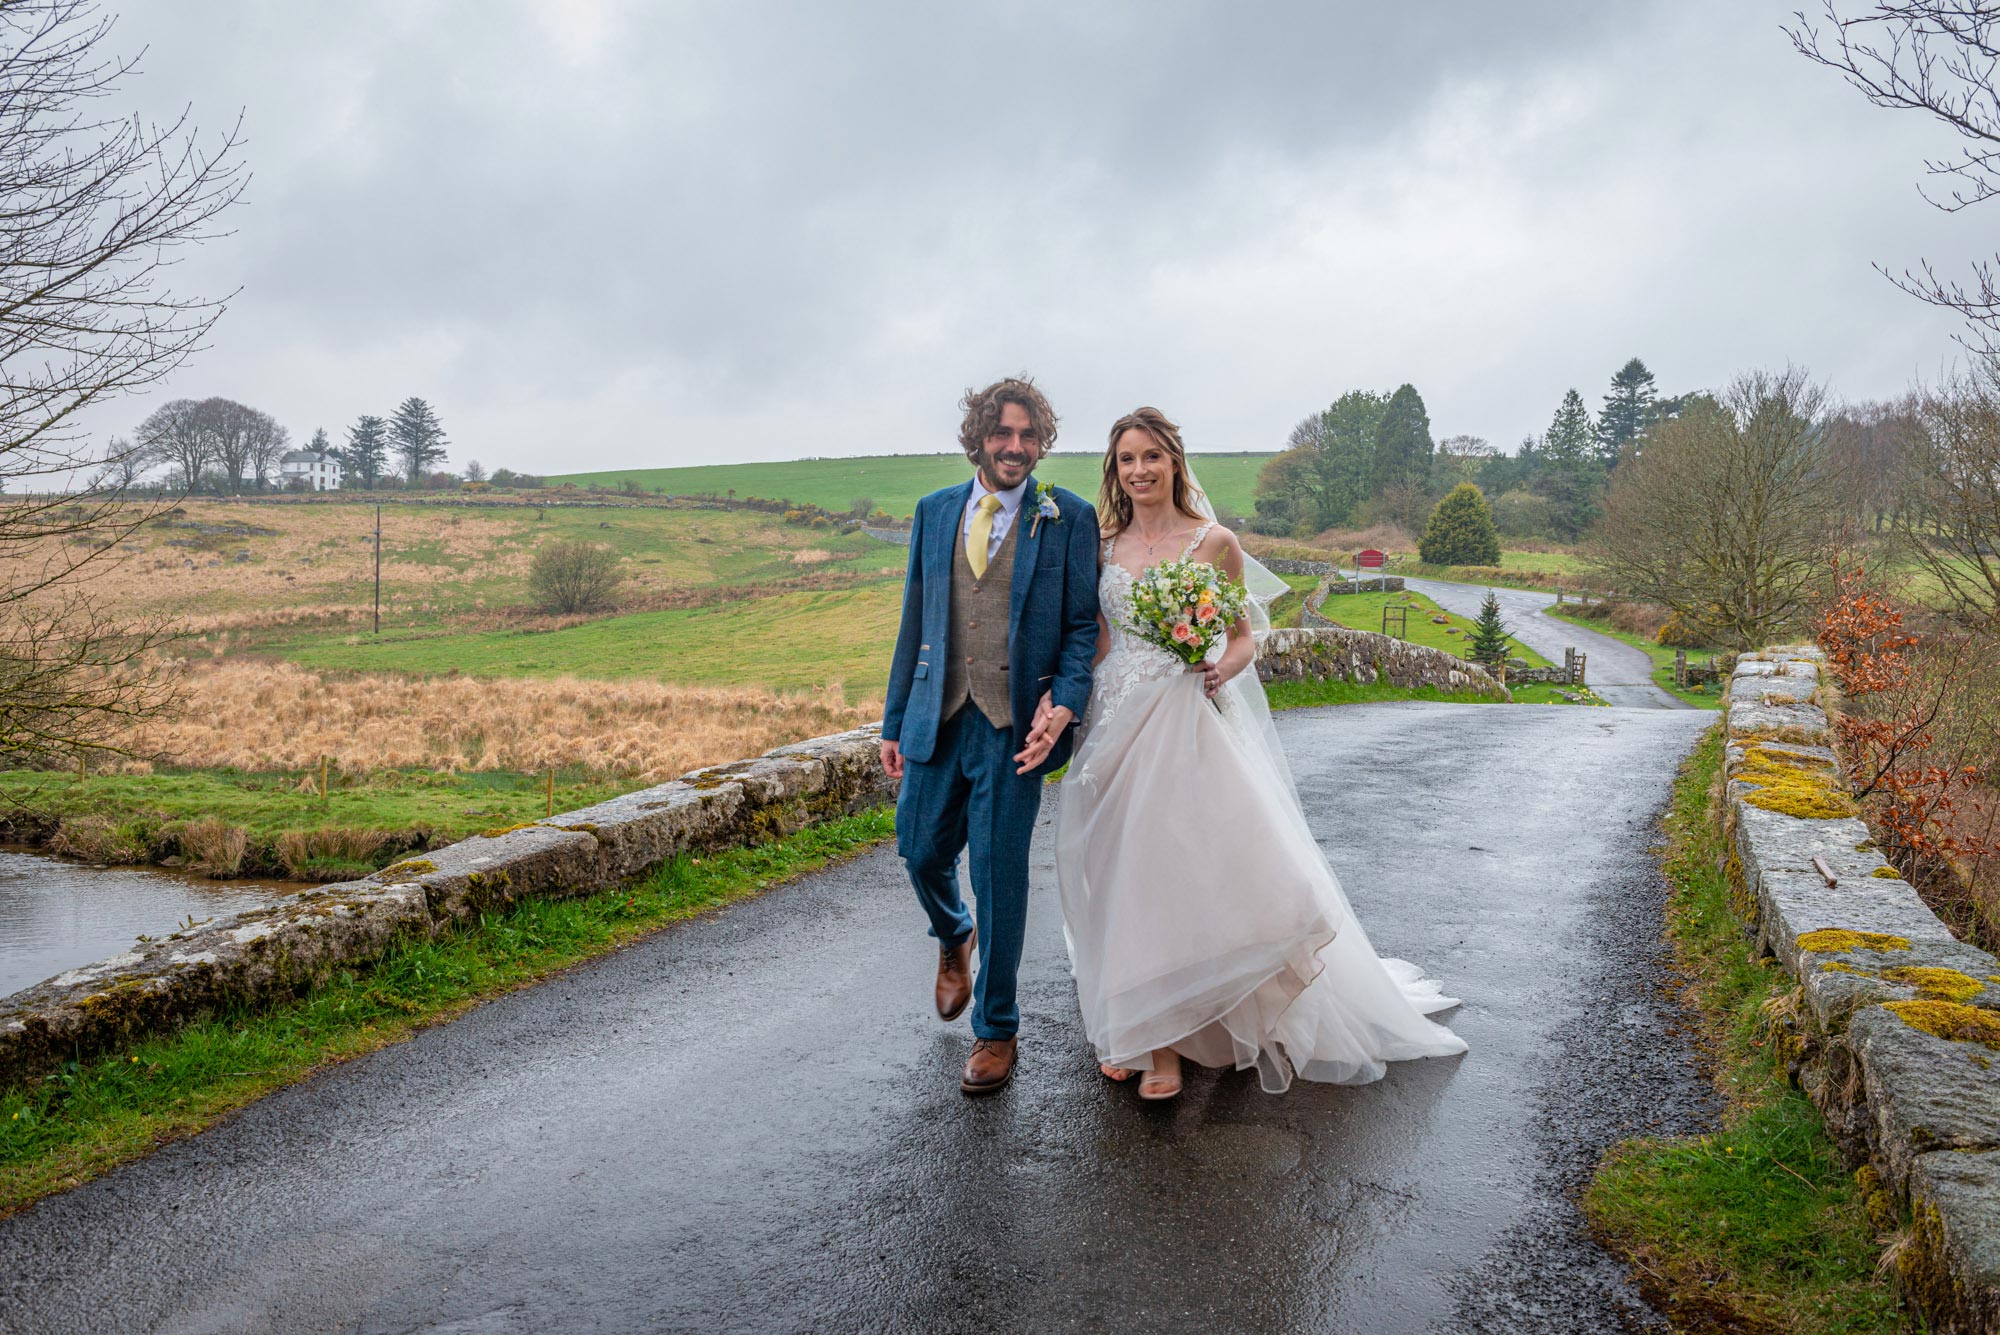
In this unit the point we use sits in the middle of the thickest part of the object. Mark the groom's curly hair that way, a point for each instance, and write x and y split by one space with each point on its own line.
982 413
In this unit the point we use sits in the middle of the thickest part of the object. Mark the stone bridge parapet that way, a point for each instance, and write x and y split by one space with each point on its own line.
1896 1032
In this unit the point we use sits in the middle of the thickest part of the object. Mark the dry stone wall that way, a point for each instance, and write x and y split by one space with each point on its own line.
1896 1032
1364 656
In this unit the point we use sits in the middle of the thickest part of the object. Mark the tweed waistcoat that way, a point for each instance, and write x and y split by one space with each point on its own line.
976 645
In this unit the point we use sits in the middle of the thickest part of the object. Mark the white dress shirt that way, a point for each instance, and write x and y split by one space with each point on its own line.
1010 506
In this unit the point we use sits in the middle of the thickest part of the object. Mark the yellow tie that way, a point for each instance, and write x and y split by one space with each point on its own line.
979 533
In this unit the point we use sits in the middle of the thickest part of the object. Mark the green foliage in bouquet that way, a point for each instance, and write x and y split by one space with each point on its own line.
1186 607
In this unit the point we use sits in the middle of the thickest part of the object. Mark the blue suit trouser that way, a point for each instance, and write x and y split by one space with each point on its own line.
968 795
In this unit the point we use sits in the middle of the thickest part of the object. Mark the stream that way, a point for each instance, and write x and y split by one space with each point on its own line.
56 915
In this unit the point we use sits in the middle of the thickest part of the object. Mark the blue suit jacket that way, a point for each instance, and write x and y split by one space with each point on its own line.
1051 630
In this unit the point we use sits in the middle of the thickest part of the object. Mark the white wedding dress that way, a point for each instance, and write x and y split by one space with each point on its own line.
1200 912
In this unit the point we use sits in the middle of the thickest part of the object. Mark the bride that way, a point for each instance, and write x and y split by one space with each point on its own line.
1203 919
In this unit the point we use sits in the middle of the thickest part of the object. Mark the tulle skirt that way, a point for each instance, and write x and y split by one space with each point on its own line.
1202 916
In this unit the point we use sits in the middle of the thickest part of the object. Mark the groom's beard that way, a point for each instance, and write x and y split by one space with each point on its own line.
990 466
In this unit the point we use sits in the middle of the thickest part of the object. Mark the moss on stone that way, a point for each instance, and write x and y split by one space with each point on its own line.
1949 1020
407 867
499 830
1793 785
1939 984
1840 940
1839 966
1886 874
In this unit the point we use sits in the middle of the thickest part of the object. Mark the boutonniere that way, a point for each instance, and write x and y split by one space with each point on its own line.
1045 507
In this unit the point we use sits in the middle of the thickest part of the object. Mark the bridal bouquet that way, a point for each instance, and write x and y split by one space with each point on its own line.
1186 607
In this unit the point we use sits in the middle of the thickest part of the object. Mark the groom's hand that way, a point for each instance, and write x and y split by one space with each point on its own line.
1042 737
892 758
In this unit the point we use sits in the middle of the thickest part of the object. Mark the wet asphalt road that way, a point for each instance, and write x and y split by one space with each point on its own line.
1616 671
752 1123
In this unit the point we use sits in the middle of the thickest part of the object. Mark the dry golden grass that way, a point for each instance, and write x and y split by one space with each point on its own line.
261 716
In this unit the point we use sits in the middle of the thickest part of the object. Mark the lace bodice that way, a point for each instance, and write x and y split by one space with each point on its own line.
1131 660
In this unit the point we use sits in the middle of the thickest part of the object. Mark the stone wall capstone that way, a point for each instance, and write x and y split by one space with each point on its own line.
1896 1035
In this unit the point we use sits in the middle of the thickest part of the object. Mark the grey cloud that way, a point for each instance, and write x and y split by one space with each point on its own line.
755 230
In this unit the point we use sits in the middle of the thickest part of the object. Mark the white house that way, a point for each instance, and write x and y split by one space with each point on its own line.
319 472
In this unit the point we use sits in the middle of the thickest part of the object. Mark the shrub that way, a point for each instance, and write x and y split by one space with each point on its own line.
1460 532
309 855
96 839
1679 632
572 575
1522 514
215 846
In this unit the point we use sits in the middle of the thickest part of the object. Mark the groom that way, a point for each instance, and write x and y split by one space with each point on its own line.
992 665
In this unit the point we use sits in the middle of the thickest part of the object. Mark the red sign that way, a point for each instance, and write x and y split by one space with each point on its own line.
1370 560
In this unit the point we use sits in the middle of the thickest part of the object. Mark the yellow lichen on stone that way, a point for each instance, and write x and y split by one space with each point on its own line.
1943 984
1793 785
1839 940
407 867
1949 1020
1886 874
499 830
1838 966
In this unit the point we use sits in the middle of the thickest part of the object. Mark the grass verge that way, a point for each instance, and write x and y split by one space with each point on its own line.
1702 697
85 1119
1756 1226
1305 694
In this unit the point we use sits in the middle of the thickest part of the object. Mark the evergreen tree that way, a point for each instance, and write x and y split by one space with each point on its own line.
319 443
1571 476
1628 410
366 457
1489 633
1460 532
418 436
1402 444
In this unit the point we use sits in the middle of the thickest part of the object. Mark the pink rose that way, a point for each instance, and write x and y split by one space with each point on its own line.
1183 632
1204 614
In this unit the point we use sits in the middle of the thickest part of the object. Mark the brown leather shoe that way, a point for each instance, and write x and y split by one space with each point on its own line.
990 1067
954 980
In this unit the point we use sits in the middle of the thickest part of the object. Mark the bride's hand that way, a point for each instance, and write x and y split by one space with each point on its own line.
1212 677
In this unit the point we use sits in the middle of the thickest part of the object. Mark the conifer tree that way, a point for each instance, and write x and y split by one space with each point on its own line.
1461 532
367 454
1489 633
1571 476
418 436
1629 409
1402 443
319 443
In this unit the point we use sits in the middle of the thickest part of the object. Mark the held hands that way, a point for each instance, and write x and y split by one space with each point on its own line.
1049 722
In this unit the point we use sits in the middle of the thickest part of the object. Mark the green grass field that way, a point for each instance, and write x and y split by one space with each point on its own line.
895 482
788 641
1363 611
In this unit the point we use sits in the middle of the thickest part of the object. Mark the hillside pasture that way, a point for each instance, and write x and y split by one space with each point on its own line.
895 482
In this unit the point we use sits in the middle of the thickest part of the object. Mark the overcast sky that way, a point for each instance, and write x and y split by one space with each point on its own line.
598 234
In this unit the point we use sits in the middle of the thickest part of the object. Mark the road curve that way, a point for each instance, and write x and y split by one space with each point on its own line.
752 1123
1620 673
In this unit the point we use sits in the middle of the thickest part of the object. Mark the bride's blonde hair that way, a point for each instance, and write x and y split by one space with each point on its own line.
1114 507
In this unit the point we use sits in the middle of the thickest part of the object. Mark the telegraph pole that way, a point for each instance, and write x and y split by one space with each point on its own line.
378 569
